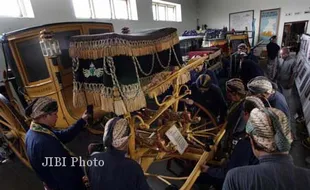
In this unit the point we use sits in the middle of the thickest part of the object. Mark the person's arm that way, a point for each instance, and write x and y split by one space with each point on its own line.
222 105
69 134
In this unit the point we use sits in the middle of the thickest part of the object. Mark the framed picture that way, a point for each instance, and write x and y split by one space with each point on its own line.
304 83
307 91
302 73
268 24
241 21
299 64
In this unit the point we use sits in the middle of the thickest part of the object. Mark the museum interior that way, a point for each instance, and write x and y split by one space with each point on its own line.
154 95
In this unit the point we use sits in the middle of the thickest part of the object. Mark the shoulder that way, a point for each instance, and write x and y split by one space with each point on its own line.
133 165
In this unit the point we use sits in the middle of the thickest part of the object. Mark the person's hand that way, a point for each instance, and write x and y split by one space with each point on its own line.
85 116
189 101
204 168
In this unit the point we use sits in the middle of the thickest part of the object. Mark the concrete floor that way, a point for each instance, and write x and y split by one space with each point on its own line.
15 176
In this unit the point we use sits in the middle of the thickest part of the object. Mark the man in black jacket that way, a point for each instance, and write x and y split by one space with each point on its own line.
273 50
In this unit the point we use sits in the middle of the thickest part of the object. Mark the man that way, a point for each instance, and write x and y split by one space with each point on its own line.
44 144
202 69
271 140
262 87
286 71
118 171
242 154
244 48
248 69
272 51
209 96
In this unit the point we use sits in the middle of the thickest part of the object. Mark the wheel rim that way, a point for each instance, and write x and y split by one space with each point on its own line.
14 133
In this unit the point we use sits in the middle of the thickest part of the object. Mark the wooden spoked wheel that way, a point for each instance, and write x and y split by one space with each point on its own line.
13 127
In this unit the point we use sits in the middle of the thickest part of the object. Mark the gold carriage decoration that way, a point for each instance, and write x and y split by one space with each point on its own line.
149 141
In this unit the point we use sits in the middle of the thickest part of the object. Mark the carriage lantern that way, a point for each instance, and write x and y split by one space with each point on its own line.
49 46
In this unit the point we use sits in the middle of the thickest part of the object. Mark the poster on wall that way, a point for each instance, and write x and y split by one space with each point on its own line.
268 24
241 20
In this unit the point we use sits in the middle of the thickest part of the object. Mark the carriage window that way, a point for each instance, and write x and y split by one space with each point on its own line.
63 38
109 9
98 31
166 11
33 60
16 8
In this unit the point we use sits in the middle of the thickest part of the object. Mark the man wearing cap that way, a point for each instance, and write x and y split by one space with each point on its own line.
118 171
248 69
262 87
209 96
48 156
272 50
271 140
244 48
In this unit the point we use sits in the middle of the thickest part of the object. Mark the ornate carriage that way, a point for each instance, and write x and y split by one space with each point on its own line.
140 77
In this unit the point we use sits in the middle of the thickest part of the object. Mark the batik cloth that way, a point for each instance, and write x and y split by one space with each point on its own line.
270 130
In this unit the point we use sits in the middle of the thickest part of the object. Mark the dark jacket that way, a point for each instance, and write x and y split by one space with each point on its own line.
249 70
213 100
118 172
277 100
276 172
273 50
40 145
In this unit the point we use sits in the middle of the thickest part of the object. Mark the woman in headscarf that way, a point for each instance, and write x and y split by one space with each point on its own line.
44 145
118 171
271 139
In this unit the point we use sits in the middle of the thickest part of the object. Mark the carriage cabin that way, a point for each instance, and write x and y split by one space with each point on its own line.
37 75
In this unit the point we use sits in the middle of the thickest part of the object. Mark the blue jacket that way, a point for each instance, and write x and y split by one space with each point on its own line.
40 145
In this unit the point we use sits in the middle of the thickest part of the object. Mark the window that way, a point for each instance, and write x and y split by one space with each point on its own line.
16 8
106 9
166 11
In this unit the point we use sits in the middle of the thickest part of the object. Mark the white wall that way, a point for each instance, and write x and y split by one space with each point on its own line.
51 11
215 13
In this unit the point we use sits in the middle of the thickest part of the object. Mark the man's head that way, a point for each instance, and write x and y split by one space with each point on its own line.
273 39
235 90
242 48
249 104
43 110
260 86
269 131
285 52
203 82
116 134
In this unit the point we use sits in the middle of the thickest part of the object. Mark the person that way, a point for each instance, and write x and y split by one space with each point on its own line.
248 69
271 139
272 50
242 154
202 69
209 96
286 71
44 144
263 88
118 171
244 48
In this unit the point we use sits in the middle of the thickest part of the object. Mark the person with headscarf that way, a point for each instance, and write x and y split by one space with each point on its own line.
209 96
118 171
248 69
271 139
242 154
272 50
45 145
263 88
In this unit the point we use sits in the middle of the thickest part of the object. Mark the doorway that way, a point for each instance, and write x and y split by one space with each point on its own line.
291 34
